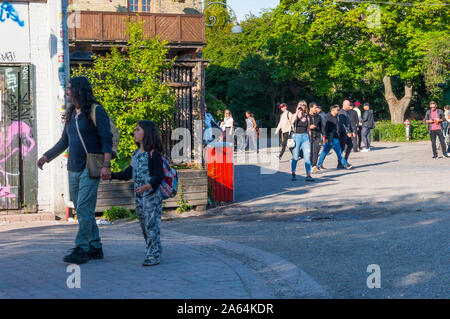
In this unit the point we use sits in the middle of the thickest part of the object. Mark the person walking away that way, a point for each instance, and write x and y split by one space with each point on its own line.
345 131
332 134
146 170
227 126
82 136
368 124
359 126
317 132
434 117
251 138
285 126
354 122
302 137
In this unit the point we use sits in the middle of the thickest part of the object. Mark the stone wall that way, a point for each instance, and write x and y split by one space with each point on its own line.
177 6
100 5
158 6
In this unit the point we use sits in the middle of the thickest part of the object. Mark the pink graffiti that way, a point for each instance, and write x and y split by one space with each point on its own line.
6 192
15 129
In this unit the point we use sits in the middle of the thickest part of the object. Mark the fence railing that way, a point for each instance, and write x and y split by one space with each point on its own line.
96 26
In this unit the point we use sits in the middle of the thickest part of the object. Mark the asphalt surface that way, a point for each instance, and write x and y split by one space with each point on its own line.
391 210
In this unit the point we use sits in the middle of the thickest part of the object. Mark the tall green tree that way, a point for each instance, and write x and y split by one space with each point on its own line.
333 43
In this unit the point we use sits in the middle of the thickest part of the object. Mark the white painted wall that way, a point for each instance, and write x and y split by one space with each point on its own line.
37 43
14 25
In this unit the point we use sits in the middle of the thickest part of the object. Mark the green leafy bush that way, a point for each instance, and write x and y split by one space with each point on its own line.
116 212
386 131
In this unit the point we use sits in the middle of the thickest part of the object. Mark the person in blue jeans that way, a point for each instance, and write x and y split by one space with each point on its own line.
302 138
332 140
83 188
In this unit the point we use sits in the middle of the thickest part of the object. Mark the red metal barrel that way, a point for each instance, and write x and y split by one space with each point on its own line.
219 159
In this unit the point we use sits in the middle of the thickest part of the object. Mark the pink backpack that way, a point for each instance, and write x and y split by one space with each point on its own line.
169 185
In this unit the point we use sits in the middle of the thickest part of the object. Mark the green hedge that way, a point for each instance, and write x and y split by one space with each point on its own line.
385 131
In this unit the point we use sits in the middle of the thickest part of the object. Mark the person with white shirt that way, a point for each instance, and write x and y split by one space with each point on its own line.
285 126
227 126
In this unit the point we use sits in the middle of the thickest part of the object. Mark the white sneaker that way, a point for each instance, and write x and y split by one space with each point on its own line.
364 150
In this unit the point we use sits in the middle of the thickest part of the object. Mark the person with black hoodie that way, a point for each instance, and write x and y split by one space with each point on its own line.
317 132
368 124
332 133
354 120
346 132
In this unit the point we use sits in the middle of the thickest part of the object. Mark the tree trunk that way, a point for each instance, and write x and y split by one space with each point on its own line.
397 108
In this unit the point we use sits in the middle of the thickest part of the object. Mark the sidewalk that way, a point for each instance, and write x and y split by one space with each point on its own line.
191 267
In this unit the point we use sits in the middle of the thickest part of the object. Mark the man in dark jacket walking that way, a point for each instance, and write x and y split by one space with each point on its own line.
368 124
434 117
317 127
331 140
354 121
345 131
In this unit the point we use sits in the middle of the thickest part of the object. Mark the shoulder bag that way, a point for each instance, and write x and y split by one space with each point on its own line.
94 162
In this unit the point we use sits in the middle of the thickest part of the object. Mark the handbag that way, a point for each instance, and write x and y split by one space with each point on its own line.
290 142
94 162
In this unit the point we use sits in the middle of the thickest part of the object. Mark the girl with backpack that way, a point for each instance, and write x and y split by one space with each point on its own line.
147 171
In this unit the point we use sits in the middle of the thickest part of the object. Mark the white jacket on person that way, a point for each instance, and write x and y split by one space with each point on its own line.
285 124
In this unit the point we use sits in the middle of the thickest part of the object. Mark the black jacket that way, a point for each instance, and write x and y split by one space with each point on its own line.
354 119
331 127
345 126
316 120
367 119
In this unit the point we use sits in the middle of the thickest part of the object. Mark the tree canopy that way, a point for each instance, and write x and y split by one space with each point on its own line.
331 50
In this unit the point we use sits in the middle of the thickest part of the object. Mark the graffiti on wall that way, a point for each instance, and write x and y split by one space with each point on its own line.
7 11
14 32
8 56
15 131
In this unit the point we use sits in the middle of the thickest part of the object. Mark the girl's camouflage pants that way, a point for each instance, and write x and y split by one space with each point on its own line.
149 210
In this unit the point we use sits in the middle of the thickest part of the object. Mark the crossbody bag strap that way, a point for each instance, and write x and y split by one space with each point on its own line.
79 134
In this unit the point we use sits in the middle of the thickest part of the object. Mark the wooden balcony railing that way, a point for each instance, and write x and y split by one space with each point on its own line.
93 26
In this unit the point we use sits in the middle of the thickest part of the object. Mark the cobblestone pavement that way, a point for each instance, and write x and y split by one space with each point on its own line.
191 267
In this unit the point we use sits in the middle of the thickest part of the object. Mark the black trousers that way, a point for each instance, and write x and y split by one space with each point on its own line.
365 132
284 138
346 144
359 135
357 139
315 149
433 136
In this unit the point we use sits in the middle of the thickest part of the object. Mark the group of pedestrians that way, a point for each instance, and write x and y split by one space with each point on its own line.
309 130
227 128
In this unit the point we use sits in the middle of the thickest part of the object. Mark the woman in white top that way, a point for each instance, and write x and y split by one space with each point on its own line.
285 126
227 126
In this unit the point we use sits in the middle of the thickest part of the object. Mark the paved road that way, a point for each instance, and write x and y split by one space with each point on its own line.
191 267
391 210
281 239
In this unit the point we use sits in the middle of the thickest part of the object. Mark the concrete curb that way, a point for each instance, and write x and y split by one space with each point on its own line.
285 279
